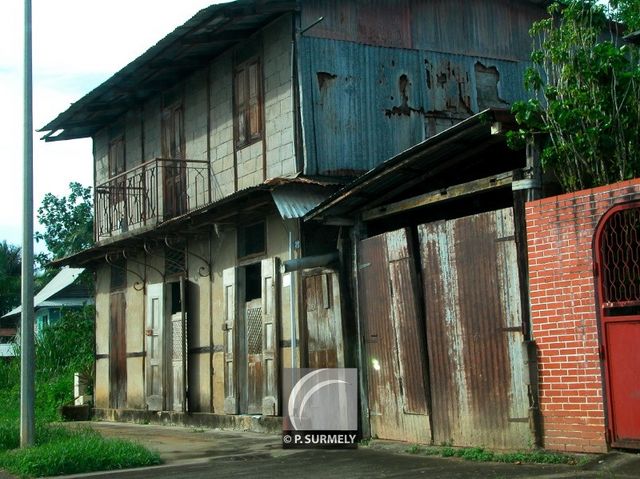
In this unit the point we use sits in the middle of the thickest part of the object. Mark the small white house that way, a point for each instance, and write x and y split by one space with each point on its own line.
63 291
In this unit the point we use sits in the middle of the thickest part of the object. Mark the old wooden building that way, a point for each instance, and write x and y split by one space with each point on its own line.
211 147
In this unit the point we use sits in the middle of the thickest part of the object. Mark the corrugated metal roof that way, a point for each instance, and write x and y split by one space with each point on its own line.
398 171
66 277
189 47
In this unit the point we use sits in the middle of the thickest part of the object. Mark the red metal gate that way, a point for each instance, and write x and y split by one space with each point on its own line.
617 253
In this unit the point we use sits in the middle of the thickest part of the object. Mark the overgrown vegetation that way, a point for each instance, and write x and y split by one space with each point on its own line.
586 86
10 270
62 451
482 455
62 348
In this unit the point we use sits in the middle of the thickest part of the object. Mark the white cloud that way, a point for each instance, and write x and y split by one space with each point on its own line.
77 44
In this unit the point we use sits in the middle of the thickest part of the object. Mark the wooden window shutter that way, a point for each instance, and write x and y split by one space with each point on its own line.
254 100
270 313
230 349
241 113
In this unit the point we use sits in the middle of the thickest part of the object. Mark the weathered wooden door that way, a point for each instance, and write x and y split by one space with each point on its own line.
324 326
154 370
253 346
117 351
270 310
474 331
229 313
118 214
617 254
174 165
390 310
178 350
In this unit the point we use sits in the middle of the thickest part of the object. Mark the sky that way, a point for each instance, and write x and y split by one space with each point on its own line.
77 44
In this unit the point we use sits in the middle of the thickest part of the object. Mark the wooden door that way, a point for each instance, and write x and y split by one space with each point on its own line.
323 322
389 304
174 165
617 254
253 348
229 284
118 217
270 312
474 331
117 351
154 370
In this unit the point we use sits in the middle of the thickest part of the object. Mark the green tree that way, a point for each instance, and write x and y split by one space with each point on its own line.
10 272
586 86
627 12
67 221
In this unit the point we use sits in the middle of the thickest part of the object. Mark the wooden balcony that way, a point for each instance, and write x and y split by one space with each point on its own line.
150 194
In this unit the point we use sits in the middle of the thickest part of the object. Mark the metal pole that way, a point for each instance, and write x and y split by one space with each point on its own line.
27 373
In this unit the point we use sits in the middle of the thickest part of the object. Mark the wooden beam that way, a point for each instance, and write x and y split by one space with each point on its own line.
445 194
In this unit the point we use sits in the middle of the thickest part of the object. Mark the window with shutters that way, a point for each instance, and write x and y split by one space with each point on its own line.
247 95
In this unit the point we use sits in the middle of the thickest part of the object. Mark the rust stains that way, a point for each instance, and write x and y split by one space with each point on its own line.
404 109
487 79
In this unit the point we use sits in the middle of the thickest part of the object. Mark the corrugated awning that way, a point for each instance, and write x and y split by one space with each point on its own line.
433 155
188 48
295 200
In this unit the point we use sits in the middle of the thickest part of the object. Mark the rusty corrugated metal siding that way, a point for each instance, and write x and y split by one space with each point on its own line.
363 104
396 362
495 29
474 335
408 322
380 76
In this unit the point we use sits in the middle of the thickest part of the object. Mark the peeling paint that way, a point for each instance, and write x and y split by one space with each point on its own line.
487 80
403 109
325 79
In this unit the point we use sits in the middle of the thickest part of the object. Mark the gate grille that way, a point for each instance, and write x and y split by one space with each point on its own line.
620 259
254 330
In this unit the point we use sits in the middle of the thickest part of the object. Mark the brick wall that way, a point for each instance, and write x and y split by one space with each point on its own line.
560 232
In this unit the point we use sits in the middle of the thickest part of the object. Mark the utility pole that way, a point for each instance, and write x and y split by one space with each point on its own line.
27 349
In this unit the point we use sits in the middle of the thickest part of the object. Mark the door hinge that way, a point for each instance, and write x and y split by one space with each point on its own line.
602 352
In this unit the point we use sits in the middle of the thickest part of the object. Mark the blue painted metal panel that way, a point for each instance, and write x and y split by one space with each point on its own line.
363 104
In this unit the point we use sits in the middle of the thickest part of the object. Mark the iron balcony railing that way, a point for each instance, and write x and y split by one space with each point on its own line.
149 194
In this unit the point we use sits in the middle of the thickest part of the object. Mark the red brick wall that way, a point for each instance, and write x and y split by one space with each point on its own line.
560 232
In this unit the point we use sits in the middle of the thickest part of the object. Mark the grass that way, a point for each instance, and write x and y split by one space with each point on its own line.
62 451
482 455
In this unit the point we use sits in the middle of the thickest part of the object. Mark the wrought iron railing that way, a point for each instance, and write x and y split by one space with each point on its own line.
150 194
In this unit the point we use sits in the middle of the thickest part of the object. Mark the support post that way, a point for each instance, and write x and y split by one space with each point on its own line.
27 350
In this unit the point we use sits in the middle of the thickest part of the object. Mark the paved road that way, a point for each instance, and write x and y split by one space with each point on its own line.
197 453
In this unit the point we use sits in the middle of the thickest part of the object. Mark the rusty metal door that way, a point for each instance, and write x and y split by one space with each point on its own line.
390 311
617 252
117 351
324 327
474 331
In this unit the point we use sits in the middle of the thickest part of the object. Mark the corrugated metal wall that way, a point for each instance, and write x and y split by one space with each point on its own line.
441 62
474 331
